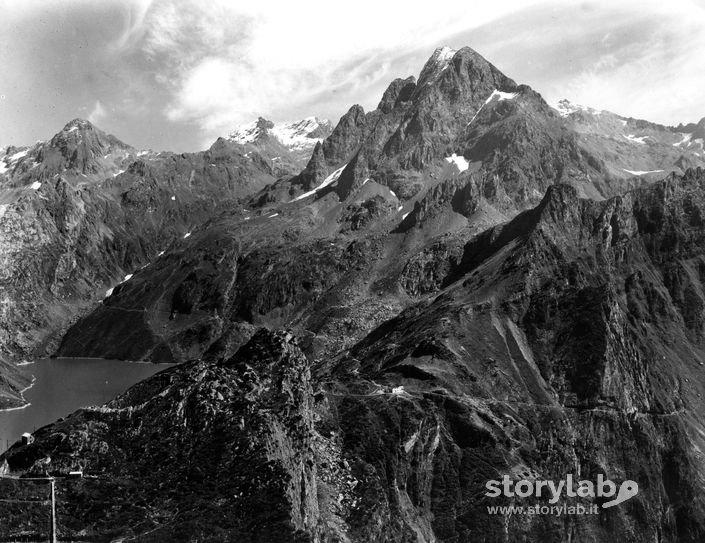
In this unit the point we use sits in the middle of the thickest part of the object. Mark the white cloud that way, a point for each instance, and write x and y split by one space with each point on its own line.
97 114
228 63
224 63
175 73
653 73
133 26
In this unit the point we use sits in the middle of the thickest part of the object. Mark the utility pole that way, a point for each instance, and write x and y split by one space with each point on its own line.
53 511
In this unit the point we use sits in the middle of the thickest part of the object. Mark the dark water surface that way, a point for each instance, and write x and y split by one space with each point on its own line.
64 385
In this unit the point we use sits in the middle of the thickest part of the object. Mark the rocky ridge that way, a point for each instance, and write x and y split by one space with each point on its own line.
442 158
81 212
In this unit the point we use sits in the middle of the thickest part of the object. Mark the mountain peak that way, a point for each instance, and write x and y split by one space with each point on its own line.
439 61
565 108
296 135
251 132
78 124
80 146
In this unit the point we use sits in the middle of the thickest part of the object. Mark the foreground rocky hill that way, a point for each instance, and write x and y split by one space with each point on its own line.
567 340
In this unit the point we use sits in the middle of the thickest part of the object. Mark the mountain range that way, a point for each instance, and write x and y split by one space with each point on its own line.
371 320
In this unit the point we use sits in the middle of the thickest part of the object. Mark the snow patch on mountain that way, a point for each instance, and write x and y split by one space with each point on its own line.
641 172
296 136
17 156
495 94
438 62
686 139
502 95
636 139
332 178
444 56
445 53
460 162
566 108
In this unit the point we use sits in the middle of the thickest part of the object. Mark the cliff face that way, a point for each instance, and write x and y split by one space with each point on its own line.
83 210
565 341
559 343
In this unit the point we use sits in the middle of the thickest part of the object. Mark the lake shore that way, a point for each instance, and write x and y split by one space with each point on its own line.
24 404
54 388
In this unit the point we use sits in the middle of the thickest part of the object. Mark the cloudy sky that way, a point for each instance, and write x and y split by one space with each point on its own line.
176 74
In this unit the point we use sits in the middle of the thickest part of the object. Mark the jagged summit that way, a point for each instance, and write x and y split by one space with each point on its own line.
81 130
81 146
249 133
565 108
696 130
438 62
297 135
78 124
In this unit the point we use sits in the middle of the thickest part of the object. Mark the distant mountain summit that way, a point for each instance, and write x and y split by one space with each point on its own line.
634 148
566 107
82 210
298 135
697 131
286 146
78 150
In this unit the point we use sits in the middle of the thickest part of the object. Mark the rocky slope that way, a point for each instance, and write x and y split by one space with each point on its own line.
567 340
635 147
441 158
82 212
